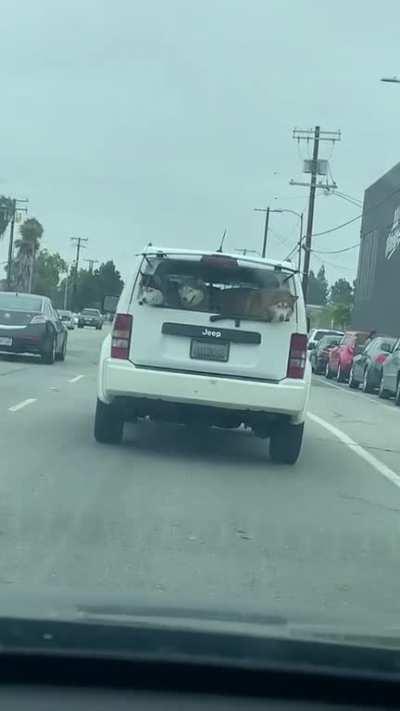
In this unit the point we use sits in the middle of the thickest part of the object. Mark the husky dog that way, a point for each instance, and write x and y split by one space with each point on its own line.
192 294
262 304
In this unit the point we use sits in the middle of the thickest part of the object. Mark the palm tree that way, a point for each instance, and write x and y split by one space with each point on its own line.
28 245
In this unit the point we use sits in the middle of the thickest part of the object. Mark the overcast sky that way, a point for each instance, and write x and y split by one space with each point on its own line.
167 121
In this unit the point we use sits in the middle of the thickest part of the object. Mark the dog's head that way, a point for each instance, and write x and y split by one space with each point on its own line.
283 306
191 294
151 296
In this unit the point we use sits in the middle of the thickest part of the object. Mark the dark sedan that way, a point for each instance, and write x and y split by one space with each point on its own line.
29 324
366 369
90 317
320 354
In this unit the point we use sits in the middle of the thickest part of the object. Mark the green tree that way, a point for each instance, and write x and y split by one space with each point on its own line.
31 232
341 315
48 268
341 292
6 212
318 288
108 280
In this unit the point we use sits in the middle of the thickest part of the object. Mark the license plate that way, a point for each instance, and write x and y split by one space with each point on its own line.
204 350
5 341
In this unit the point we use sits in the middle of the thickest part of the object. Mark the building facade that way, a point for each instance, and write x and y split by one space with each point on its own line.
378 275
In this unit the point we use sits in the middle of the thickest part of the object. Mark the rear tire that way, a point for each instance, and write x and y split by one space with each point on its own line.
353 384
49 356
108 426
285 443
366 386
340 377
328 372
61 356
397 396
382 392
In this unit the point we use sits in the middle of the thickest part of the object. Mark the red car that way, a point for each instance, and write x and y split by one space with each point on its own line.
341 356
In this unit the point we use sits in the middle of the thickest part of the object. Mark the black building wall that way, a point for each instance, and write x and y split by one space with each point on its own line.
377 304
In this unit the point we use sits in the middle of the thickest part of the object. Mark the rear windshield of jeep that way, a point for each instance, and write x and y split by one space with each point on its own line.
219 286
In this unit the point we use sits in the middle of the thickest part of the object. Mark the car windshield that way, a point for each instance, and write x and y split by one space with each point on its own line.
20 302
199 245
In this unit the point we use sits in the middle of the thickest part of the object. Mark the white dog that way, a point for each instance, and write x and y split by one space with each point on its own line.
191 295
151 296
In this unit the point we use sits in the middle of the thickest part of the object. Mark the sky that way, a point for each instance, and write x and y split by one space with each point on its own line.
167 121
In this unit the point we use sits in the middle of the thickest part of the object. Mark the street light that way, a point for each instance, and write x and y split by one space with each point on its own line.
300 216
267 211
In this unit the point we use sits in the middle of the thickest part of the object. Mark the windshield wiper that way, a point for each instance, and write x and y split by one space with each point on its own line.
221 317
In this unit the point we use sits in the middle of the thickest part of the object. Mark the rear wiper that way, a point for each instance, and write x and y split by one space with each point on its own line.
221 317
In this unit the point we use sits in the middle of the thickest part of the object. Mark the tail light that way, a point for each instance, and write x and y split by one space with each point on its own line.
381 358
297 356
121 336
40 318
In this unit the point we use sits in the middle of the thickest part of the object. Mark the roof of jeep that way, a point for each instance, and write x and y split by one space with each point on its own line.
254 259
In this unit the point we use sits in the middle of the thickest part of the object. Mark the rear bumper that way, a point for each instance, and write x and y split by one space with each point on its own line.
122 379
29 340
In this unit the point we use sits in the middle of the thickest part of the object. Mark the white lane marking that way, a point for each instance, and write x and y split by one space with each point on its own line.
22 404
75 380
379 466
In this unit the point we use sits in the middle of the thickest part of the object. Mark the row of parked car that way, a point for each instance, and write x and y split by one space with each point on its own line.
361 359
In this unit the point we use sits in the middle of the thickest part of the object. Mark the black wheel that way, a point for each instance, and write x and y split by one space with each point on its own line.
80 325
61 355
108 426
366 385
353 383
397 396
340 376
382 392
49 356
285 443
328 372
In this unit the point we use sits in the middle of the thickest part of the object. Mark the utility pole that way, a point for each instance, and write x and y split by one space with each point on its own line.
310 213
91 263
267 211
79 241
316 169
15 203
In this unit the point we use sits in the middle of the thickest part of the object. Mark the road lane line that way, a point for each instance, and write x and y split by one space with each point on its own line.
379 466
22 404
75 380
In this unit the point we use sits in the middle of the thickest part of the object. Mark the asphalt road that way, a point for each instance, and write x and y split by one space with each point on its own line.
172 516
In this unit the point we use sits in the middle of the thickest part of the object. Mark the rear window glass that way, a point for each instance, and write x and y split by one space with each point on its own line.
229 288
20 302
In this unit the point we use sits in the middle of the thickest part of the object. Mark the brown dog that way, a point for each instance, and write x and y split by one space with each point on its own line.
261 304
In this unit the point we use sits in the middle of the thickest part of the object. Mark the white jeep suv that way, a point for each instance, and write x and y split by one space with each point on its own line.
213 339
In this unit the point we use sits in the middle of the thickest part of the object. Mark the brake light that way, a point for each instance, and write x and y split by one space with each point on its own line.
297 356
219 260
381 358
121 336
40 318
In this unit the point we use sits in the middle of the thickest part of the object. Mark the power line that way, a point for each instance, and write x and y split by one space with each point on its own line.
336 251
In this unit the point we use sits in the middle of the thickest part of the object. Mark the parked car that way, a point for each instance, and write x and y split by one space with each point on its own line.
90 317
30 324
367 365
320 354
175 354
341 356
390 380
67 318
317 333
